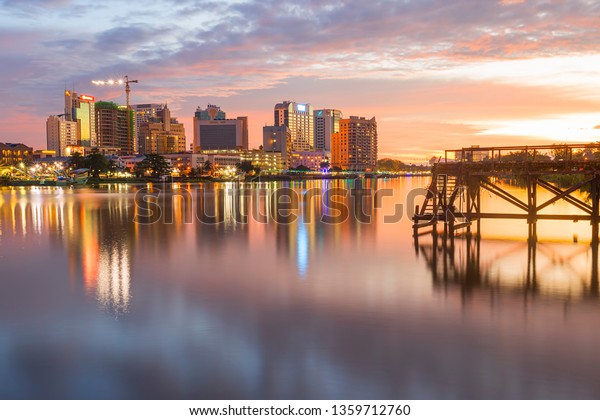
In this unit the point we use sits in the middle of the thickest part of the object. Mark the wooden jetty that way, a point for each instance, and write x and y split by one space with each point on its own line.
458 178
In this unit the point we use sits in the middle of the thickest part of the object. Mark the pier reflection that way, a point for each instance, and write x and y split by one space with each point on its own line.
529 268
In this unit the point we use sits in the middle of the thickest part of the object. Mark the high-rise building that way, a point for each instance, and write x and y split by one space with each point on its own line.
81 109
327 122
279 140
162 134
143 113
112 121
212 131
355 146
61 134
300 120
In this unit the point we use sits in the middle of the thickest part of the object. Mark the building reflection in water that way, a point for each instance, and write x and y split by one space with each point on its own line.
261 211
282 310
553 270
114 279
95 232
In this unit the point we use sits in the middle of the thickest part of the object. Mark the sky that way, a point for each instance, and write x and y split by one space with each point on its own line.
436 74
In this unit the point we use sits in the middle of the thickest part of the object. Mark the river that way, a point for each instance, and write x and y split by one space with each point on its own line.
106 296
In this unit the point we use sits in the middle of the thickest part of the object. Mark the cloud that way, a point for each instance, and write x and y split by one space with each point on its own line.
182 51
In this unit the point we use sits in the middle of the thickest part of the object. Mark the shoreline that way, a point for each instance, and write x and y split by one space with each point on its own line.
203 180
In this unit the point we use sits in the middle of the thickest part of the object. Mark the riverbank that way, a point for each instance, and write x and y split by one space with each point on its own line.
260 178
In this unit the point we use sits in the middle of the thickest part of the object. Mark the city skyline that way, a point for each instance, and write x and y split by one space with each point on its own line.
435 75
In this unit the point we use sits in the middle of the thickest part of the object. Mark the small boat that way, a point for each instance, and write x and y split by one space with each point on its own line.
80 176
62 181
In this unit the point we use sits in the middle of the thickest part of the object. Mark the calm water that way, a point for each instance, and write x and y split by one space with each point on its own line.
93 305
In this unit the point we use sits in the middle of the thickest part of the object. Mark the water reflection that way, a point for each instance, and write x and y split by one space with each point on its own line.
93 305
96 234
97 230
552 270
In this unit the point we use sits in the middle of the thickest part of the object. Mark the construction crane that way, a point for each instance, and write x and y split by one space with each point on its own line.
126 82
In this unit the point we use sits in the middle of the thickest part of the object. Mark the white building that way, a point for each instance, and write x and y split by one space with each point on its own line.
60 134
327 123
299 119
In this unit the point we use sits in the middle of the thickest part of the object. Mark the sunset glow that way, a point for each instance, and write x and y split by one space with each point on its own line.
435 74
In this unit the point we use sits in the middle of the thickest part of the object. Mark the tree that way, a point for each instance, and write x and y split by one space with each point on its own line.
325 165
76 161
247 167
140 168
97 164
302 168
336 169
156 164
208 167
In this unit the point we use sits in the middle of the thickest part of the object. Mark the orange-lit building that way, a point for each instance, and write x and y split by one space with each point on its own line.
355 146
12 153
162 134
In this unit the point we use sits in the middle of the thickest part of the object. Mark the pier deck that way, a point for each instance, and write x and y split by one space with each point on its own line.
454 195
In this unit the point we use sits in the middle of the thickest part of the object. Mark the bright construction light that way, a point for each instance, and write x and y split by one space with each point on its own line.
120 81
111 82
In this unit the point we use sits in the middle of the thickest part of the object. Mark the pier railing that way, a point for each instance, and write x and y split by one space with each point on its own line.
544 153
454 195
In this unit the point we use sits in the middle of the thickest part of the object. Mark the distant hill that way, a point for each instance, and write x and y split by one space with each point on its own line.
391 165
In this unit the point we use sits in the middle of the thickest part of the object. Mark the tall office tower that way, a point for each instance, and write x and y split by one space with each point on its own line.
212 131
111 120
299 119
143 114
278 139
60 134
355 146
162 134
327 122
81 109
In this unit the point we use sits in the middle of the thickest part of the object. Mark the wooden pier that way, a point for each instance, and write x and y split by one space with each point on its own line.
458 178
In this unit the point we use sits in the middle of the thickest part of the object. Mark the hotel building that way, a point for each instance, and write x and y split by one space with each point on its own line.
327 123
81 109
355 146
299 119
213 131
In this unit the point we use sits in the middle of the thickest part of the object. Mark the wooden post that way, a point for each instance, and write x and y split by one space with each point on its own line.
478 200
532 207
469 212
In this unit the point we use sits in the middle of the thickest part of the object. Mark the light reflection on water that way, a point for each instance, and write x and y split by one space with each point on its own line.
93 305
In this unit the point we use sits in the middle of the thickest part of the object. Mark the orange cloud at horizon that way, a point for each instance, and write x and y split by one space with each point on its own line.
435 74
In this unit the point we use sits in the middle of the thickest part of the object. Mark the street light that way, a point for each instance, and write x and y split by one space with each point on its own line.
125 81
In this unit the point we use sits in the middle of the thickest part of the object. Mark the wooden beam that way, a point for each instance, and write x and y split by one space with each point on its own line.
566 195
504 194
525 216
